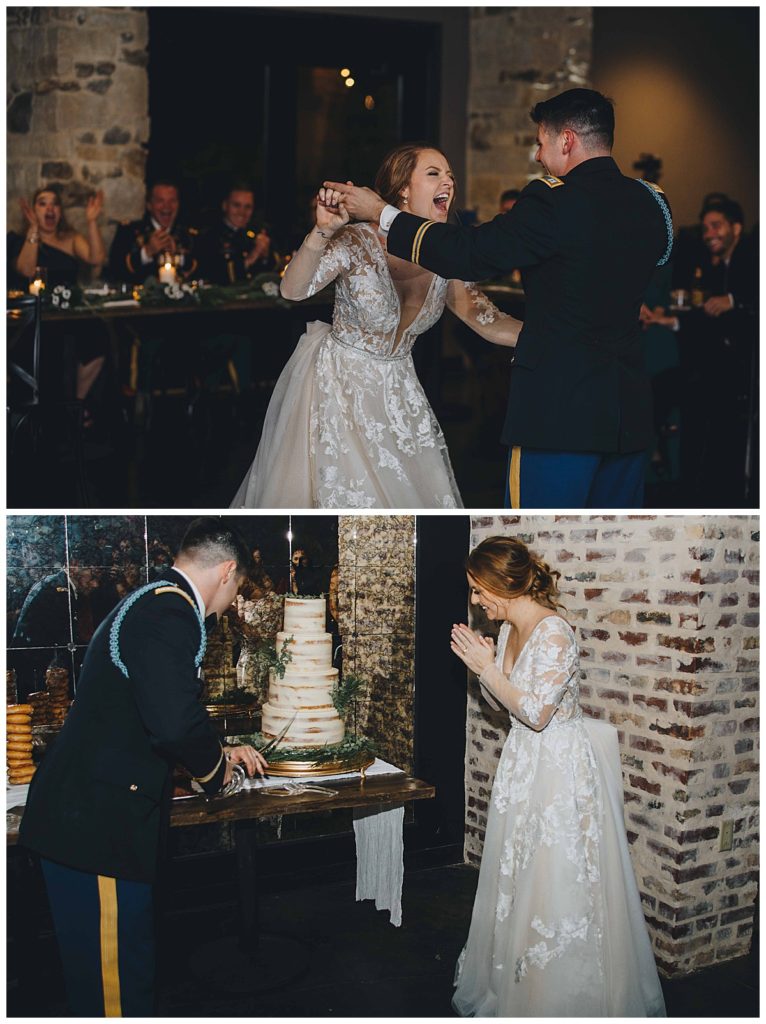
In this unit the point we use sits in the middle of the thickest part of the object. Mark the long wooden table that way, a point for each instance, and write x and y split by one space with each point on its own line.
254 804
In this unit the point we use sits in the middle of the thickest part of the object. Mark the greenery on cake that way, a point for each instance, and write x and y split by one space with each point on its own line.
346 692
306 597
349 747
265 657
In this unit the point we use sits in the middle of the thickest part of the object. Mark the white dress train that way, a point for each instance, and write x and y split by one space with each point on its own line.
348 424
557 927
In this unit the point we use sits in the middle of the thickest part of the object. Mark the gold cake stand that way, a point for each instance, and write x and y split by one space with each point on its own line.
353 763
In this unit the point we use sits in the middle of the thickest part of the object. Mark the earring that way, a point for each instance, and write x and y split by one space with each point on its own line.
404 200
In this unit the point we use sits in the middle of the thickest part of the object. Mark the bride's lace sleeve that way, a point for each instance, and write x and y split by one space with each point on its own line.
553 661
315 265
477 311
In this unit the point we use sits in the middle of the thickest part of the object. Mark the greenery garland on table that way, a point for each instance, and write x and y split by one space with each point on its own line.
347 748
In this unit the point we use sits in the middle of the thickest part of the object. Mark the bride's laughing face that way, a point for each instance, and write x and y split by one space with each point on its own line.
431 188
491 604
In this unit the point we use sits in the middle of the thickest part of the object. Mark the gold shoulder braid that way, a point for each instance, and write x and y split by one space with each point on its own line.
417 240
177 590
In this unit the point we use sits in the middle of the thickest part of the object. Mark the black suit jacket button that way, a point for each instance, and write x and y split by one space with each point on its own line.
133 787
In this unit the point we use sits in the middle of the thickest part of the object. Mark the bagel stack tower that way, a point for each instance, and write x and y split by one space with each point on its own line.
21 767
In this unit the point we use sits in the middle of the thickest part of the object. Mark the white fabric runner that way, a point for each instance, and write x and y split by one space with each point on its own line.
380 858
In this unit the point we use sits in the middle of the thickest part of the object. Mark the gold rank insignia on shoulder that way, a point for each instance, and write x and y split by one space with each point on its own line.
176 590
655 187
250 234
551 181
193 231
61 590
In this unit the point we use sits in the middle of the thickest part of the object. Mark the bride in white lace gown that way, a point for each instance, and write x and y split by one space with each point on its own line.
349 425
557 927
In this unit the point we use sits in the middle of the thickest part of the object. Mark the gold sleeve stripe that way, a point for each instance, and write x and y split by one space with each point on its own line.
177 590
209 776
514 481
417 240
110 963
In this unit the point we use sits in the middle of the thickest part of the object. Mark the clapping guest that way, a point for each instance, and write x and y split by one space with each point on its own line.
138 244
48 241
236 248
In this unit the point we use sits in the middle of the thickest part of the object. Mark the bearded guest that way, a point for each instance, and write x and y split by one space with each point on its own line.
719 368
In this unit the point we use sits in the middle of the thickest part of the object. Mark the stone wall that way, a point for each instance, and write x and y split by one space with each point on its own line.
519 56
666 613
78 108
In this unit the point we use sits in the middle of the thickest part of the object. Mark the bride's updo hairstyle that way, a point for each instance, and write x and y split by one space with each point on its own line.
506 567
396 170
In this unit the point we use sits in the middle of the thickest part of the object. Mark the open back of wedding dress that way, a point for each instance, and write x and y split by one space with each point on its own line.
349 425
557 927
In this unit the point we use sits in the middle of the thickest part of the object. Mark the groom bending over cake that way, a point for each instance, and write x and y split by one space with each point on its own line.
99 805
586 239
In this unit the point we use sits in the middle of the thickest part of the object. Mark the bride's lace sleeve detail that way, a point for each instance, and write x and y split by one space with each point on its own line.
473 307
313 267
552 664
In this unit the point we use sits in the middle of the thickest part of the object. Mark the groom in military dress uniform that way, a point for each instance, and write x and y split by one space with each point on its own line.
98 807
586 240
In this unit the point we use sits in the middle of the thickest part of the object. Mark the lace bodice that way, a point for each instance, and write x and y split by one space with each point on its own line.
543 687
368 315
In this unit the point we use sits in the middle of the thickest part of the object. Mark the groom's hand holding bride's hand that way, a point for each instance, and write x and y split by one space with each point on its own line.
331 214
361 203
475 651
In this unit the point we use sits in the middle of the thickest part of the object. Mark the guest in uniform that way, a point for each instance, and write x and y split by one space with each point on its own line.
137 244
586 239
98 807
235 249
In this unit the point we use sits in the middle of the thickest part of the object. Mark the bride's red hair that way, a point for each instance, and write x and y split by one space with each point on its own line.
506 567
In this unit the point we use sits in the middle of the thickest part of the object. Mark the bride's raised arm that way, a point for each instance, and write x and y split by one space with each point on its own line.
319 260
473 307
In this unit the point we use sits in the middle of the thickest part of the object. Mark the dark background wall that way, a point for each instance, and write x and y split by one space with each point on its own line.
685 81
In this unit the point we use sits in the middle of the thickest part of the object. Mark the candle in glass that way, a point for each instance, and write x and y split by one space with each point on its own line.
167 272
37 282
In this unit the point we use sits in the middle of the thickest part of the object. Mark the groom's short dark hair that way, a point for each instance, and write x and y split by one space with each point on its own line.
212 539
585 111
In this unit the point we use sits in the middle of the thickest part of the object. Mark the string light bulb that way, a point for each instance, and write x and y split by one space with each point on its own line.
344 72
349 82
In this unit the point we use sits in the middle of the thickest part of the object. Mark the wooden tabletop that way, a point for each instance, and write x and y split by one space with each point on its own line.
253 804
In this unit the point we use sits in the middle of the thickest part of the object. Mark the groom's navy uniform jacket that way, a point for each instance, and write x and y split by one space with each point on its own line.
101 795
586 246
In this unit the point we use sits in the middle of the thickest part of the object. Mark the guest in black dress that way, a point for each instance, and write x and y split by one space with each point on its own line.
48 241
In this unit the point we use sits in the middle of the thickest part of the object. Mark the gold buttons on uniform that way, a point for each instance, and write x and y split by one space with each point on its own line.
133 787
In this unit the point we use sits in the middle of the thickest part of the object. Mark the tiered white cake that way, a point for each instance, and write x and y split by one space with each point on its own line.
306 687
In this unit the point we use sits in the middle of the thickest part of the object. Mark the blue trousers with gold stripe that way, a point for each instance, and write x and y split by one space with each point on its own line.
539 478
105 932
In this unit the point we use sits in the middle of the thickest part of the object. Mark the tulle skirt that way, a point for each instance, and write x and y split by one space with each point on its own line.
557 927
347 429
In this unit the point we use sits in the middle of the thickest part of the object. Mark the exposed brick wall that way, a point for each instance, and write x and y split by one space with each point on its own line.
666 613
519 56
